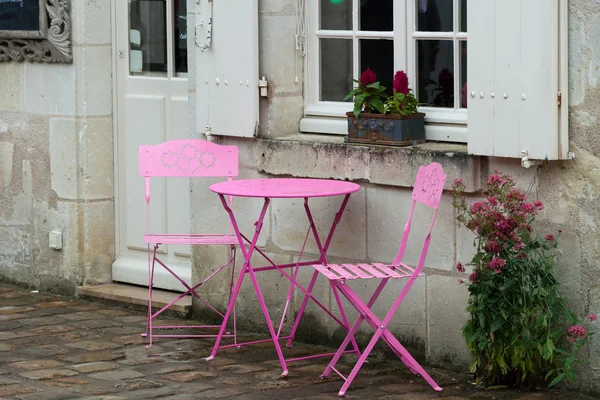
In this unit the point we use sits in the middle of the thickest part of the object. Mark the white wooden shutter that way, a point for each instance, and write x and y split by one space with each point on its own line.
227 70
517 72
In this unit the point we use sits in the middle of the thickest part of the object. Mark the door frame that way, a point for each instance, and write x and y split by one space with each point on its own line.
115 113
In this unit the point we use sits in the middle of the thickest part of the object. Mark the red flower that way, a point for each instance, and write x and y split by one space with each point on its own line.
539 205
401 83
592 317
492 247
459 267
550 237
368 77
474 277
576 332
496 264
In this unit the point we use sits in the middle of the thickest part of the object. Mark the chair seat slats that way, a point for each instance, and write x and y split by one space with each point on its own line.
325 270
336 272
388 271
357 271
373 271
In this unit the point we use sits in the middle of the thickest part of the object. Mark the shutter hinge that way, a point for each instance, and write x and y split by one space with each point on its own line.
559 99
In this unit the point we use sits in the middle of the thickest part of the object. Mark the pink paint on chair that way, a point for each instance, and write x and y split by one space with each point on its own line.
186 159
428 190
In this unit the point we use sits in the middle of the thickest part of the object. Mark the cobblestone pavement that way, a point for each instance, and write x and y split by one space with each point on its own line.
54 347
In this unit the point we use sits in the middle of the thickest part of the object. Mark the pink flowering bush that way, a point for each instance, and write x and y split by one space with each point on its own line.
520 329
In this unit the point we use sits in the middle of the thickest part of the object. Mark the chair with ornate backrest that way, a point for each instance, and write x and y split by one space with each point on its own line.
428 191
185 159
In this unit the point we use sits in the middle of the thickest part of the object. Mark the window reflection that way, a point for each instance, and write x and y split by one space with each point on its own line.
148 36
180 36
435 73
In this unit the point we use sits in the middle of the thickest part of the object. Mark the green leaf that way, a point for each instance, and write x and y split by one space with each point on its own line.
496 324
557 380
357 109
375 85
378 105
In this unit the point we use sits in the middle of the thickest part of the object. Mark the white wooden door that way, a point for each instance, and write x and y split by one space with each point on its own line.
152 107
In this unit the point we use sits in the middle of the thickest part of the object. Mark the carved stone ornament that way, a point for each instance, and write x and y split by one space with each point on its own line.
54 47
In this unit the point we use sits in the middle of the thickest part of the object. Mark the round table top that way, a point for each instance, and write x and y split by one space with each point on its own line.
284 188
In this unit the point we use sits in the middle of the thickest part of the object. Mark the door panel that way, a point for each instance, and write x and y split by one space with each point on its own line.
152 107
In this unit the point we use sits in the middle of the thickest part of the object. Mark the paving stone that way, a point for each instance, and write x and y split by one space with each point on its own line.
93 357
11 317
13 390
42 312
151 393
48 350
79 316
14 335
242 368
93 345
221 393
57 304
50 394
7 381
47 373
6 346
94 367
10 325
86 307
53 329
95 323
114 313
31 365
116 375
15 310
78 335
51 320
131 339
125 330
189 376
141 361
138 384
132 319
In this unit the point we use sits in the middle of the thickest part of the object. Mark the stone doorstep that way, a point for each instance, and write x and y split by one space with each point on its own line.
131 294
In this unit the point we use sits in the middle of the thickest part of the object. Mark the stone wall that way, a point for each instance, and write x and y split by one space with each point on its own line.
432 318
56 160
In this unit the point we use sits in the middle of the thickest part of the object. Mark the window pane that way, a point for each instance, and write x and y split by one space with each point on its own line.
434 15
435 73
379 56
376 15
463 75
148 37
336 16
180 36
463 15
336 69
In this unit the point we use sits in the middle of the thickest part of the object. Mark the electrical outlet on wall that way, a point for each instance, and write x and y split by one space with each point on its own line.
55 239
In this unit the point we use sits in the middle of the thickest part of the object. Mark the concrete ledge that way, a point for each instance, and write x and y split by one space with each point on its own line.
135 295
320 156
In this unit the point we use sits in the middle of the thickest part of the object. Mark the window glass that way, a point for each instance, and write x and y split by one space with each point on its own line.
336 69
435 73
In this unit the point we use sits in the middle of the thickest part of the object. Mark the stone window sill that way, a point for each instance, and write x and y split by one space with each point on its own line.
327 156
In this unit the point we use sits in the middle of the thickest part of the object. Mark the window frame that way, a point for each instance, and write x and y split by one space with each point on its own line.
330 117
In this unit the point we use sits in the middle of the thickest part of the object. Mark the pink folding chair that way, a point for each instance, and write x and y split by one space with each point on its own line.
186 159
428 191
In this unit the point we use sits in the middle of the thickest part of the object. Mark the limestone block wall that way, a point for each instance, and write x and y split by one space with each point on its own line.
432 318
56 160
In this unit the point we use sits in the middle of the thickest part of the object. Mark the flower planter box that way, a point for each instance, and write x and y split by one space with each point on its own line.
386 129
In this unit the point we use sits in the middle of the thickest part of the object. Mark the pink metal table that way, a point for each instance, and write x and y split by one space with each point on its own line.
268 189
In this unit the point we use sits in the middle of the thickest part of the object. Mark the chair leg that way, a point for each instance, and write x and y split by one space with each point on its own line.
150 284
